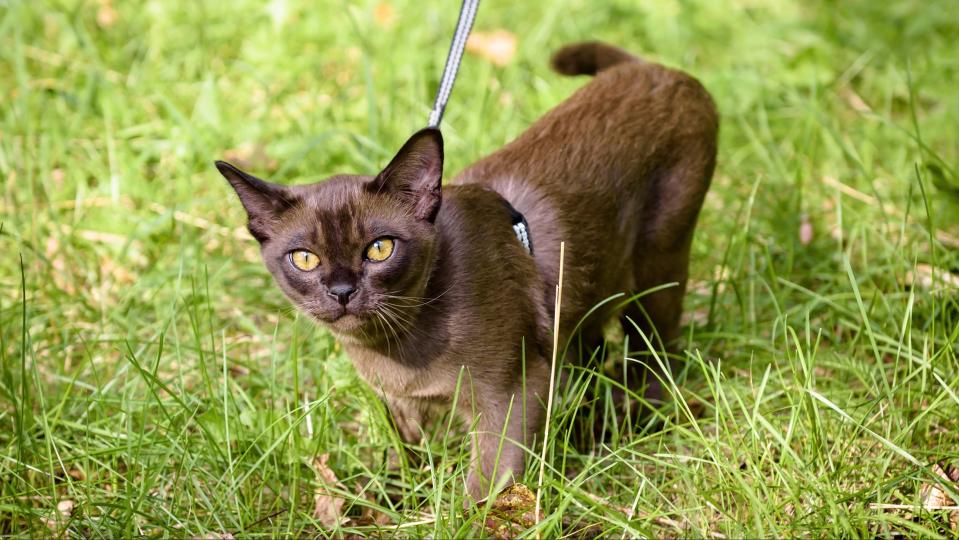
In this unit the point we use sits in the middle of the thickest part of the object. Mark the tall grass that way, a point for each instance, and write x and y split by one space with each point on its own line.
153 381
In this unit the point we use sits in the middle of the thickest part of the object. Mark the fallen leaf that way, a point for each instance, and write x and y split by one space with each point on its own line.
107 15
932 495
65 507
250 155
61 276
327 507
498 46
370 514
854 101
55 520
512 512
57 175
805 231
928 277
384 14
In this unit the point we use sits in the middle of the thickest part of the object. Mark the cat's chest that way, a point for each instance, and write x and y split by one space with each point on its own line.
392 378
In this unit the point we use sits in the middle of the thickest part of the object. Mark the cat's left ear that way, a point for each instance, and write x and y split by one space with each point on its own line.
415 173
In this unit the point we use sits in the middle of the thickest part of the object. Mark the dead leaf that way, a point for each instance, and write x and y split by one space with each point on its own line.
65 507
513 511
805 230
61 276
384 14
933 497
498 46
107 16
854 101
57 175
54 521
370 514
250 155
327 507
928 277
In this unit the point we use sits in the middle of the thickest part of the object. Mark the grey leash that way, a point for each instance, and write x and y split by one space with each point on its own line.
457 46
463 27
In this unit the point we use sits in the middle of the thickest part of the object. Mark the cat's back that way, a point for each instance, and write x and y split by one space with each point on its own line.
589 172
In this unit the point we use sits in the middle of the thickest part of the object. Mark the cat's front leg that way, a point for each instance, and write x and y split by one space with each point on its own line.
409 416
506 425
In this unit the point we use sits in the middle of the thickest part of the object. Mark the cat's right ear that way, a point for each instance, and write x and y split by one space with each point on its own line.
263 201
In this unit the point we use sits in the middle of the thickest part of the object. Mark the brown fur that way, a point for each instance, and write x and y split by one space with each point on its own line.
618 171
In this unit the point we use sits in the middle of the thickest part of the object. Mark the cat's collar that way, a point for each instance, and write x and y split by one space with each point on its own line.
520 227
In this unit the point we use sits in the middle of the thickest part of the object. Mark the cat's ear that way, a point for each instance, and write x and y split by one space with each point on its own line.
263 201
415 173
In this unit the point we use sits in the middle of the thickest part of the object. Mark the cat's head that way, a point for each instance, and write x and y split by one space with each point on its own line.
353 252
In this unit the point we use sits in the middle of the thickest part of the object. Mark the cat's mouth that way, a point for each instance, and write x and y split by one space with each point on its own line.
343 320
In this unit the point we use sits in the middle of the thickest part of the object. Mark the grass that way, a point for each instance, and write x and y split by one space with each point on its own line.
153 381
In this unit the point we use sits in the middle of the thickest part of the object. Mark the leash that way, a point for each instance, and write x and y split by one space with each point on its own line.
457 46
453 59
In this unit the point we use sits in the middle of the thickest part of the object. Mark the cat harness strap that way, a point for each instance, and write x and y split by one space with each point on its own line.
520 227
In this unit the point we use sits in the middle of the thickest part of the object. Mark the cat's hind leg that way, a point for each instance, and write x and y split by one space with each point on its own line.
661 254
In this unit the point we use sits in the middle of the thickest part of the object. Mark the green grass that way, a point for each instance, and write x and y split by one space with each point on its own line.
152 374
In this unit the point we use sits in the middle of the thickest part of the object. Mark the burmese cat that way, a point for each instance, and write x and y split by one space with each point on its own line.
424 285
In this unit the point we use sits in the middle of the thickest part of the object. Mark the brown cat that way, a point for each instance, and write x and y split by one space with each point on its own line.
428 288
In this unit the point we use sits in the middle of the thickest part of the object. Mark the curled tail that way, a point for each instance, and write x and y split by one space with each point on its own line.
588 58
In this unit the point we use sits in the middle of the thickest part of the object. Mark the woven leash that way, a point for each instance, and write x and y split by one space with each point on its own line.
457 46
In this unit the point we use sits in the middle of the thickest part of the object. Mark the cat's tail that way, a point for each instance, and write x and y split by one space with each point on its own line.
588 58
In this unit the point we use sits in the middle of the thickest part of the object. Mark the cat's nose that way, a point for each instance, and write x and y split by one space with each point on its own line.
342 292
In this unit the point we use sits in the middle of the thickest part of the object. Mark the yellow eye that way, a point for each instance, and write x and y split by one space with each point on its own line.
380 249
304 260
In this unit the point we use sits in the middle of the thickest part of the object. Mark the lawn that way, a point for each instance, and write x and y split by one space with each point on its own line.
154 382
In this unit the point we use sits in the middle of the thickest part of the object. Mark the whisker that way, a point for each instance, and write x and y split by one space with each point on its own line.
379 318
423 299
389 325
398 315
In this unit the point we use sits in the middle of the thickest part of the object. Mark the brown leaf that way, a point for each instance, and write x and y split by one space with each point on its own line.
370 515
854 101
498 46
384 14
327 506
250 155
57 175
65 507
107 16
513 511
929 277
932 495
805 231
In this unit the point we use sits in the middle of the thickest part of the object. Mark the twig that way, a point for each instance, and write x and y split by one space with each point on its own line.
552 380
944 237
200 223
913 507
